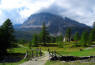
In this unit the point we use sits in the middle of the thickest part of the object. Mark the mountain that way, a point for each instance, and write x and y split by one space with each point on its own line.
17 25
55 24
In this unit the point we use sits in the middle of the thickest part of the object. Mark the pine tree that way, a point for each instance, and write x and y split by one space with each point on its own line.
59 40
84 38
2 50
92 35
60 37
30 45
56 39
44 35
68 34
7 35
94 25
76 36
35 40
52 39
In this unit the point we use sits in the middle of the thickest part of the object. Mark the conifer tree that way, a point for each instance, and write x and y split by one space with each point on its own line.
68 34
92 35
76 36
60 37
52 39
44 34
84 38
94 25
35 40
6 35
59 40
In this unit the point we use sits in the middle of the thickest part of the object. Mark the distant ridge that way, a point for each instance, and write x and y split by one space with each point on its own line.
55 24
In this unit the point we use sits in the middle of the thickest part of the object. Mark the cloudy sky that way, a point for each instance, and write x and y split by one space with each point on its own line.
19 10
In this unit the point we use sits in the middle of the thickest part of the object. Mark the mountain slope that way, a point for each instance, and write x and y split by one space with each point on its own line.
55 24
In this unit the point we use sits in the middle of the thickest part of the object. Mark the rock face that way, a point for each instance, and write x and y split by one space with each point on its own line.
55 24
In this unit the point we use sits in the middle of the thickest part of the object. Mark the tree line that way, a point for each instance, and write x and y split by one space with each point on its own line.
6 37
86 38
43 37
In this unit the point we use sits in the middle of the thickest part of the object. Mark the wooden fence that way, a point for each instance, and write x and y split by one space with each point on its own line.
30 54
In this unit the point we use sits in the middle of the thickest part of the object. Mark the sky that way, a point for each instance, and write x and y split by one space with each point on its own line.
18 11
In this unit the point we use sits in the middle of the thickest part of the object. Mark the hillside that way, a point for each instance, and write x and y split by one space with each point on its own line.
55 24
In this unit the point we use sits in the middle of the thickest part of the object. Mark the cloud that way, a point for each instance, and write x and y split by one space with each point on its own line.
19 10
80 10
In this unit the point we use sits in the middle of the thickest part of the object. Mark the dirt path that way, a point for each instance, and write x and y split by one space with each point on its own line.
37 61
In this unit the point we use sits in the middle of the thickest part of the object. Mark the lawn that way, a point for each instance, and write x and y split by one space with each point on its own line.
68 51
67 63
77 52
17 50
74 51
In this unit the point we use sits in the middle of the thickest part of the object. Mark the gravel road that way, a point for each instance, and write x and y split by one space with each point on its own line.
37 61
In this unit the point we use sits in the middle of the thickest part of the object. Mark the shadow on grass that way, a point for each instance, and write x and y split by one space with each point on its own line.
12 57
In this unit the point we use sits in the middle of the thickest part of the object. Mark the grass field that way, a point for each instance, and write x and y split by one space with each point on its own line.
77 52
71 51
68 50
17 50
67 63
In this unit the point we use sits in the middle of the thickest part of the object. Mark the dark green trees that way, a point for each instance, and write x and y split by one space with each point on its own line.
52 39
35 40
59 41
84 38
94 25
2 49
68 35
44 35
92 36
76 36
60 37
6 35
